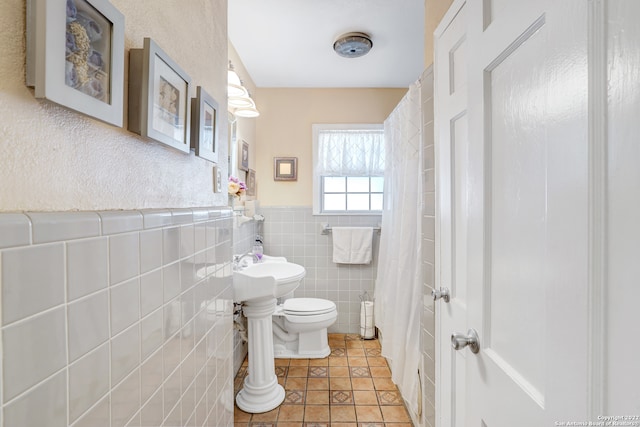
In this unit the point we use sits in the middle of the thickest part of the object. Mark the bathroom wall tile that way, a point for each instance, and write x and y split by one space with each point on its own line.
150 292
88 323
87 266
171 389
150 250
181 216
124 257
125 400
50 399
15 230
114 222
200 215
125 353
99 415
56 226
187 274
151 376
33 350
154 218
151 333
187 241
200 236
125 305
170 244
88 381
32 280
151 414
171 281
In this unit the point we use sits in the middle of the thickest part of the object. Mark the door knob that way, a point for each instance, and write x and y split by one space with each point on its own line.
460 341
442 293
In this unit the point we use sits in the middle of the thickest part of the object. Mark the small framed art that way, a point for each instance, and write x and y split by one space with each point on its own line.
205 125
159 103
251 183
75 56
285 168
243 160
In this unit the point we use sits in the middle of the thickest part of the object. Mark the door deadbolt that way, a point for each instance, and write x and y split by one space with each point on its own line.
460 341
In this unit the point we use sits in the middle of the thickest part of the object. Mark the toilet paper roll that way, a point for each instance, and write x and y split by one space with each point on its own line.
367 329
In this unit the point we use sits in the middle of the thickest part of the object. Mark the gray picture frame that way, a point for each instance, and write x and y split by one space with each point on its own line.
285 168
205 125
243 159
85 75
159 97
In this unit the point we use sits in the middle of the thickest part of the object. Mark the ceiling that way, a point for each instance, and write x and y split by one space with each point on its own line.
289 43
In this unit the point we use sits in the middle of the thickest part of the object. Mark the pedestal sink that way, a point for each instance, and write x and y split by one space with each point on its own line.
258 286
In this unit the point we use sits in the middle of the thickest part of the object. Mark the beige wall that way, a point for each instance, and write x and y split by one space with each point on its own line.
284 130
434 10
55 159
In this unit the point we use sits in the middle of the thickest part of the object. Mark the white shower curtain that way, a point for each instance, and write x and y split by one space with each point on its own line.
398 291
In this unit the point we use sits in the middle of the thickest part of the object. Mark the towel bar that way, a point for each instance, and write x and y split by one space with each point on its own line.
326 229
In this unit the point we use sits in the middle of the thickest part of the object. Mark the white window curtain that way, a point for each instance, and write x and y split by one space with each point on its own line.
398 291
350 153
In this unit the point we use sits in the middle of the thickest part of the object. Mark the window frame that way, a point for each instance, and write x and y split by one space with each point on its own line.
317 179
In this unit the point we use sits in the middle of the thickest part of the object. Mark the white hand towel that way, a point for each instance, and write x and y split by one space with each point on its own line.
352 245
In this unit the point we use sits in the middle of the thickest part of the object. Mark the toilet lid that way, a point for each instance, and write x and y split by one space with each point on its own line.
307 306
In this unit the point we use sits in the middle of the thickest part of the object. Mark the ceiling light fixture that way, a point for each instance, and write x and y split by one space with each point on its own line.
239 101
353 45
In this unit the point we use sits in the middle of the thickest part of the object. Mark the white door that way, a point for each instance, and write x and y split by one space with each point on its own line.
452 165
525 214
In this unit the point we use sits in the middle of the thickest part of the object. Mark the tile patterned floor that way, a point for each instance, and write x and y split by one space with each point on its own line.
350 388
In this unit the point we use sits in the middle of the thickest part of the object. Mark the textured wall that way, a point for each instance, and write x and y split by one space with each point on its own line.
284 130
55 159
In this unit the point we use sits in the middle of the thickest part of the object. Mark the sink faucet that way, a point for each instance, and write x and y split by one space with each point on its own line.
237 260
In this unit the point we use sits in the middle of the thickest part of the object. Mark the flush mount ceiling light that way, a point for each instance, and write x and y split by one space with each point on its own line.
353 45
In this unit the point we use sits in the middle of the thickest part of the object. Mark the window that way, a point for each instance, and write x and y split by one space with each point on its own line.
348 169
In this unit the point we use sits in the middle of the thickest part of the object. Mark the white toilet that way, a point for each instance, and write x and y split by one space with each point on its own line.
300 328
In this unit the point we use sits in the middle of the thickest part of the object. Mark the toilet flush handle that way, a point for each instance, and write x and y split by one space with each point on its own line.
442 293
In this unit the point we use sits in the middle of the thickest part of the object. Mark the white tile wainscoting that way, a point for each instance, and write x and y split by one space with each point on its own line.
118 318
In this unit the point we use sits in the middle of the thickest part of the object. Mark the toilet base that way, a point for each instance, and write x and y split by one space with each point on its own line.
281 352
307 345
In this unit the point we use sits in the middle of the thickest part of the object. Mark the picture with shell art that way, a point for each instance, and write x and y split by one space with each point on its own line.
75 56
87 50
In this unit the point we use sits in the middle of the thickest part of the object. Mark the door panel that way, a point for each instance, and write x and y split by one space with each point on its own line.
451 159
516 214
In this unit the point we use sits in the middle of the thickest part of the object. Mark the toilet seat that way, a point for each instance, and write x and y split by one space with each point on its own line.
307 306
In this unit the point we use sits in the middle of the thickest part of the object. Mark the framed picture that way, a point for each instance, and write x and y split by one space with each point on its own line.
75 56
159 102
251 183
205 125
285 168
243 160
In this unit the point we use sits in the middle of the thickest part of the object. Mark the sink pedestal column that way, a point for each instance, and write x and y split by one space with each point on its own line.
261 391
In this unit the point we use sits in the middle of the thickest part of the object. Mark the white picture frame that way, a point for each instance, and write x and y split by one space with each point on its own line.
159 100
75 56
205 125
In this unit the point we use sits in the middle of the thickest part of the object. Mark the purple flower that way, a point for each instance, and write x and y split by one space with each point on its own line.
72 11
